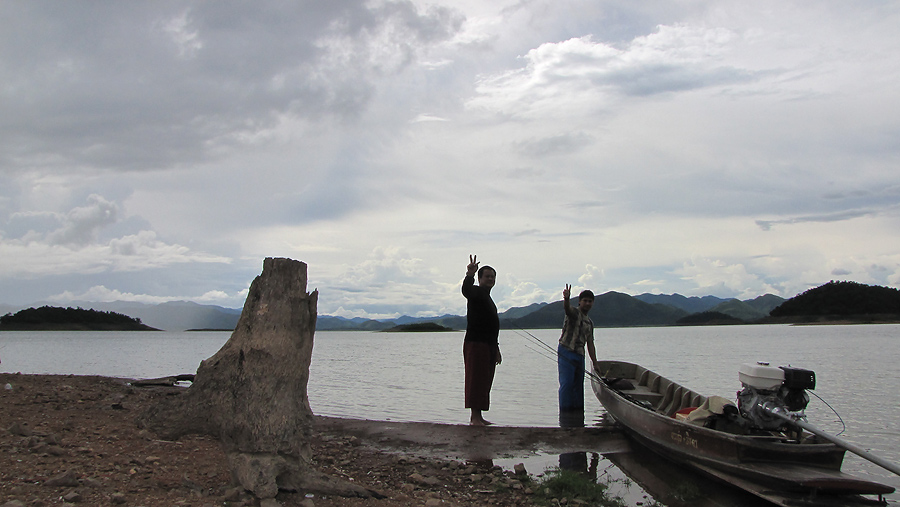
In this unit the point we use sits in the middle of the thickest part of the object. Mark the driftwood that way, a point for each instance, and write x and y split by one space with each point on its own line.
163 381
251 394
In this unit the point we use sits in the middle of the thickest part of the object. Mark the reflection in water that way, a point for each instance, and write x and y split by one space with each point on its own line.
675 485
639 475
578 462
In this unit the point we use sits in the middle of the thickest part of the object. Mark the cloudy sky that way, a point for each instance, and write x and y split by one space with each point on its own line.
158 151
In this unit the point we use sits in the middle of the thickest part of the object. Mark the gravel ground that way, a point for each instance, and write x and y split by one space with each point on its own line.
73 440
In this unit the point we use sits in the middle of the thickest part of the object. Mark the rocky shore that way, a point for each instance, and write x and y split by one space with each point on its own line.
73 440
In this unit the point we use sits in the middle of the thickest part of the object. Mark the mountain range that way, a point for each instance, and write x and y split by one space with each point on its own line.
612 309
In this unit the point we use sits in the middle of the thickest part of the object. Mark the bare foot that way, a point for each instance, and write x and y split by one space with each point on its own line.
479 422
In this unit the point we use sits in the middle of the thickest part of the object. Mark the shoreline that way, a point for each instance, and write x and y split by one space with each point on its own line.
73 439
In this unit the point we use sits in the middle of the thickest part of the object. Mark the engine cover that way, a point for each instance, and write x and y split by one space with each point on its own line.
761 376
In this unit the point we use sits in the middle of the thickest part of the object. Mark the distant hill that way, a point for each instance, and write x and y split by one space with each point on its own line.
612 309
710 318
765 303
519 312
330 323
174 315
51 318
842 300
737 309
693 304
419 327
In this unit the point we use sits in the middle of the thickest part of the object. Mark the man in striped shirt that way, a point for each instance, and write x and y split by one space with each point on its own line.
577 333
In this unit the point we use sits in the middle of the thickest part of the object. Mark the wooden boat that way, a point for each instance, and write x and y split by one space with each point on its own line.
650 409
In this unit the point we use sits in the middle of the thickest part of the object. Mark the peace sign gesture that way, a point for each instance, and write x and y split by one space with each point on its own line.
567 292
473 265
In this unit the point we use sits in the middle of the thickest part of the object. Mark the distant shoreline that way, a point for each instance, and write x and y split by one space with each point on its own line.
421 327
74 327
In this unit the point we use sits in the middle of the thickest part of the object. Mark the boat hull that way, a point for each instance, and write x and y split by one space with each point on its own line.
769 461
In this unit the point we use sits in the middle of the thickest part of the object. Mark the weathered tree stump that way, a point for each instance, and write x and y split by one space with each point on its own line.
251 394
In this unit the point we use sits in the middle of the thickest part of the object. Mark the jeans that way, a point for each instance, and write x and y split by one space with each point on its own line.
571 379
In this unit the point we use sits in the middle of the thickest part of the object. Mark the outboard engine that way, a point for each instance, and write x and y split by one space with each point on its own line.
782 389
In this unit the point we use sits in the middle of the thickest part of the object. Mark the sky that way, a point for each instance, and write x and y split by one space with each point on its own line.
159 151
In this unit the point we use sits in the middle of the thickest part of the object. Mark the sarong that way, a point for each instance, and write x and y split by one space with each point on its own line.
480 366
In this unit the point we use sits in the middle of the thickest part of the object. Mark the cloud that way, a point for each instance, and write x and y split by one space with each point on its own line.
164 86
48 243
558 144
427 118
592 276
81 225
518 293
165 149
101 294
390 282
721 278
827 217
582 74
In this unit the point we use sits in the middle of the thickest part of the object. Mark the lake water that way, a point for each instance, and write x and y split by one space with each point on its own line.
419 376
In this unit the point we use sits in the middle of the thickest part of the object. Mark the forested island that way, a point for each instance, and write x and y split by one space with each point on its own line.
841 302
51 318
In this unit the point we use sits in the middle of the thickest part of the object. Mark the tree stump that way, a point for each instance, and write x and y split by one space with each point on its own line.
251 394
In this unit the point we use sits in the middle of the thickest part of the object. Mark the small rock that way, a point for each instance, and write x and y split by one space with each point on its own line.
307 502
63 480
72 497
520 469
13 503
8 387
20 429
269 502
234 494
433 502
91 482
55 450
117 498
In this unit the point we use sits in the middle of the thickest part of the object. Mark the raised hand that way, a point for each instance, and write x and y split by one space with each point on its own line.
472 268
567 292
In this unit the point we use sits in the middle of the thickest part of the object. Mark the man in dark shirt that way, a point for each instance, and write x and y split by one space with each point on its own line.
481 349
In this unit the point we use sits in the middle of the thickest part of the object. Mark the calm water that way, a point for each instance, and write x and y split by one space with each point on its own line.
419 376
